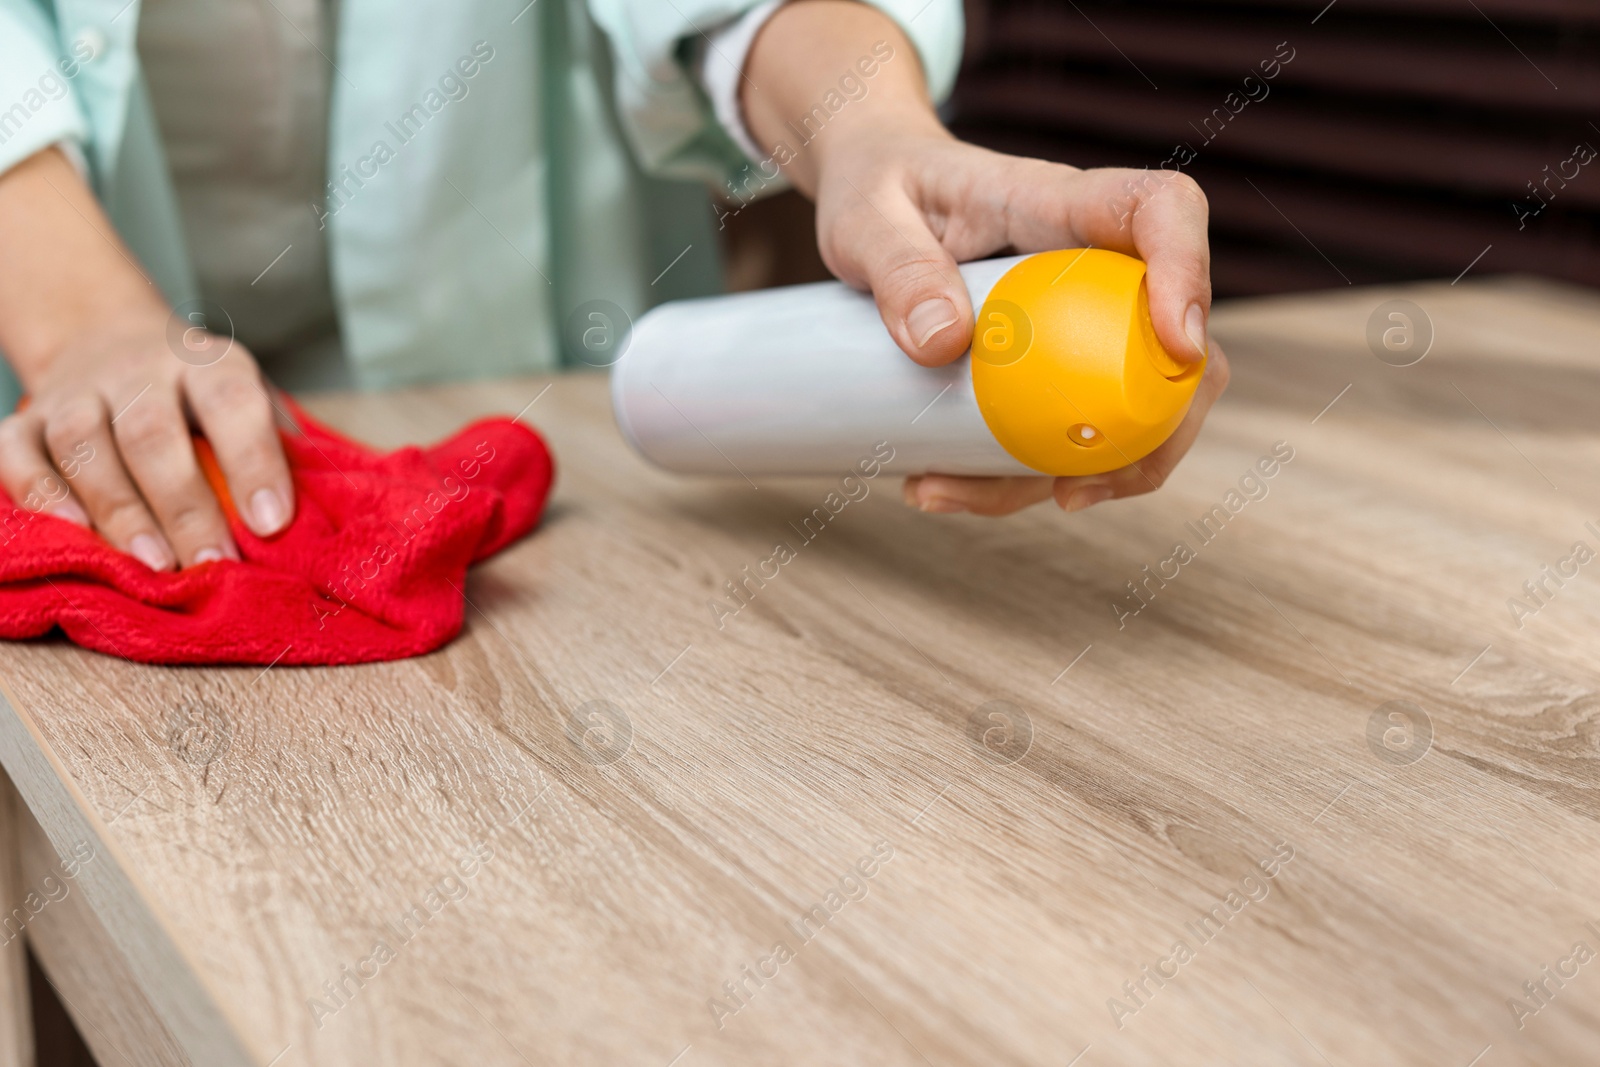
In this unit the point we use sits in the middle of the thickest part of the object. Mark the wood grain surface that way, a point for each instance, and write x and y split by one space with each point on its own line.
1198 834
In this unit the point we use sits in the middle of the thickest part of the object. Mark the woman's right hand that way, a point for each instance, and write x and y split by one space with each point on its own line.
116 380
105 439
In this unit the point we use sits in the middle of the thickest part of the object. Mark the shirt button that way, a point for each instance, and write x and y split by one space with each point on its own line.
90 40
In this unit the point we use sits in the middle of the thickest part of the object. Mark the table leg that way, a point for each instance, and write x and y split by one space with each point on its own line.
16 1018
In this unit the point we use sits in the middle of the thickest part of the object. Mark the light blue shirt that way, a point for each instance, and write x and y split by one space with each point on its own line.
461 232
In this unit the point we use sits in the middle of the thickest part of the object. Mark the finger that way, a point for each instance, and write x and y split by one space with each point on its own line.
947 493
1151 472
231 405
80 427
1160 216
153 438
1169 234
27 474
880 241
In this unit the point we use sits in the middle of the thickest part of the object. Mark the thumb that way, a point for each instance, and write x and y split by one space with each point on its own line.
884 244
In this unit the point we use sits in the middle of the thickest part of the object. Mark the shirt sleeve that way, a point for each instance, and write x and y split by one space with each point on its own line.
721 68
38 107
678 66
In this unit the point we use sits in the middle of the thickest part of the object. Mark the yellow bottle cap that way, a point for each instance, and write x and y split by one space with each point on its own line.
1066 367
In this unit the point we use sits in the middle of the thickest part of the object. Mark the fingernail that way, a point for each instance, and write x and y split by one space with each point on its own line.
270 514
942 505
1194 325
928 318
213 553
908 490
1087 497
150 552
69 510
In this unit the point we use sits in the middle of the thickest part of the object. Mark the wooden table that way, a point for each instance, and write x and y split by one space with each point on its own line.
811 836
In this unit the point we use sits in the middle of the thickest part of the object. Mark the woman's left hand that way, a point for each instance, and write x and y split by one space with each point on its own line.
896 214
900 202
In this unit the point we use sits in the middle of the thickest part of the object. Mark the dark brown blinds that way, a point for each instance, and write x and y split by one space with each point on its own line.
1359 141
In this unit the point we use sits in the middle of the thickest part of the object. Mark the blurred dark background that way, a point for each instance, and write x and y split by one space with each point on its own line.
1403 138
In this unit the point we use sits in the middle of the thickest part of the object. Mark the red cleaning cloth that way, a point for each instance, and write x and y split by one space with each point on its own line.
372 567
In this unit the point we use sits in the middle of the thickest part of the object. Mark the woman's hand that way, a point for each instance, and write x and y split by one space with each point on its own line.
115 380
105 441
896 214
900 202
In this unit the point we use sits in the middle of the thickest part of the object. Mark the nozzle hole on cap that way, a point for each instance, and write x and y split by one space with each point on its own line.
1084 434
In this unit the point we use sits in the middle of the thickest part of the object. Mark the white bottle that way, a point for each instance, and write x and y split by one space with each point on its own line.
807 380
